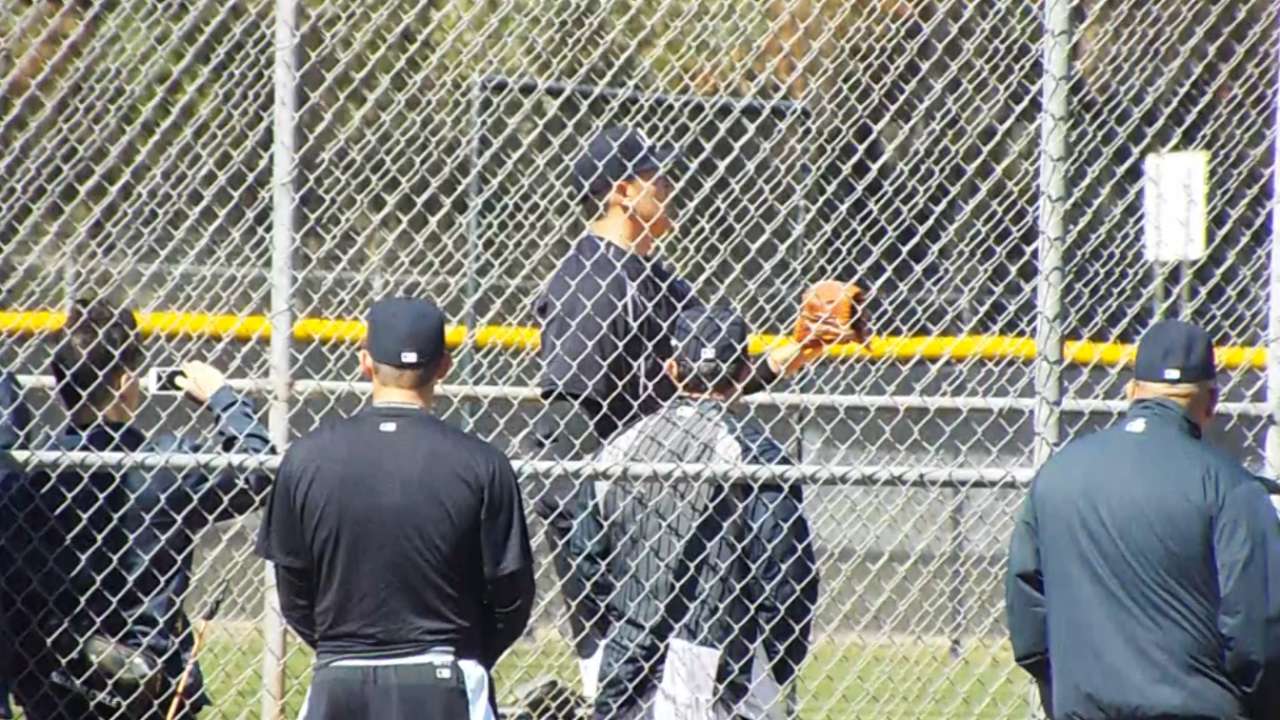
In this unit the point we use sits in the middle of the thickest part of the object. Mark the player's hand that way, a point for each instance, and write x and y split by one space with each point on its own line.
200 380
788 359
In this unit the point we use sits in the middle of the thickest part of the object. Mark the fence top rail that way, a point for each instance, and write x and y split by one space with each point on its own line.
827 475
516 394
529 86
506 337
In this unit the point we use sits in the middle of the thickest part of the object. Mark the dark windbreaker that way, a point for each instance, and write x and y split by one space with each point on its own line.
1137 577
109 551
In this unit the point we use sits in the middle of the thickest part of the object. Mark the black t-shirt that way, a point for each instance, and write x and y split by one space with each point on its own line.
399 521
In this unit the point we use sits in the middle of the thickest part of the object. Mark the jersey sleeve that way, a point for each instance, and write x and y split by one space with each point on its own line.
1240 548
508 563
585 323
504 540
201 497
280 537
1025 608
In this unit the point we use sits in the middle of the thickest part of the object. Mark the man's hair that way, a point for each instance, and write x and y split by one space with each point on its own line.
98 344
1178 392
404 378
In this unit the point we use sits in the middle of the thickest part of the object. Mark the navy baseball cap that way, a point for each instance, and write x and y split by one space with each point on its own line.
405 332
1174 351
616 154
712 342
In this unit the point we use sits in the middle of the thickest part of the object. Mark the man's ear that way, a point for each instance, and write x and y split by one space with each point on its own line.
673 370
444 366
366 364
624 192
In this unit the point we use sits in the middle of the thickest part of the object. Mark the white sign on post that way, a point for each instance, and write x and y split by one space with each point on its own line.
1175 195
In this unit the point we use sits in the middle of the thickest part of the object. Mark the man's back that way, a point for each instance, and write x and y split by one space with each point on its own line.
1138 545
694 568
392 506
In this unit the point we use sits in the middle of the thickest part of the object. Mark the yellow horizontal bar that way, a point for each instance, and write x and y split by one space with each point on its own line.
986 347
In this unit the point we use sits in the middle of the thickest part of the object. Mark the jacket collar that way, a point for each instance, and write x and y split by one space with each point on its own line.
1166 412
593 246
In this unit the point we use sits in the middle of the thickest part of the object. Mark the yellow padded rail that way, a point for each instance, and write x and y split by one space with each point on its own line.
322 330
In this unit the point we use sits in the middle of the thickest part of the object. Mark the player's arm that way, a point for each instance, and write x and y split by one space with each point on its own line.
585 324
1240 550
589 548
282 542
785 569
230 492
1024 595
508 563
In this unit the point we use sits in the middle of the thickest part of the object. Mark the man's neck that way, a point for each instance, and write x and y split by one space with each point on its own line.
398 396
615 227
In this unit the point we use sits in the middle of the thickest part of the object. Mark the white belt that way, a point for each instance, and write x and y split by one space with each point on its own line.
431 657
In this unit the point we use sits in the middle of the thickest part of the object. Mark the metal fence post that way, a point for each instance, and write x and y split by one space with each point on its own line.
1053 228
1273 312
1054 168
284 164
475 247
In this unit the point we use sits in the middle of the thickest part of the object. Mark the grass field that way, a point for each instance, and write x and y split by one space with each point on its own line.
841 680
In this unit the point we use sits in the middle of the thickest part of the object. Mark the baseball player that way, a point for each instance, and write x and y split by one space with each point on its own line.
710 586
1137 575
400 543
606 318
99 560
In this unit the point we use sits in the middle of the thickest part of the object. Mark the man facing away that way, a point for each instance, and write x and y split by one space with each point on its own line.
1137 576
400 544
710 586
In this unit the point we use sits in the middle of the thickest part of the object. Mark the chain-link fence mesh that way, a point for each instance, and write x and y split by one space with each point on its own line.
901 144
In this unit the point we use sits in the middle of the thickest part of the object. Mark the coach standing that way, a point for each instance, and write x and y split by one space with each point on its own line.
1137 578
606 318
400 544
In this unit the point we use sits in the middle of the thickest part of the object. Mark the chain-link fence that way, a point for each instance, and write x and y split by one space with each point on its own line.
249 174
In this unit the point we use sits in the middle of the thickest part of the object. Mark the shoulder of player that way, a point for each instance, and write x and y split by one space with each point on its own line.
753 440
484 455
325 438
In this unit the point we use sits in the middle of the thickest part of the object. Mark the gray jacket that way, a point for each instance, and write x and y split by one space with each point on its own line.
727 568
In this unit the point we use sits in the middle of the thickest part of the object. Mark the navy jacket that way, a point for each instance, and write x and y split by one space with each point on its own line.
15 417
606 317
111 552
1137 576
1265 704
729 567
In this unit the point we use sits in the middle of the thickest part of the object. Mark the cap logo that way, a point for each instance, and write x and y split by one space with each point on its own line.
387 427
1172 374
707 354
408 357
1138 425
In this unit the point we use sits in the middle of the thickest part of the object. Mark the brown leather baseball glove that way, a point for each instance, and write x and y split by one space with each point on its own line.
832 312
